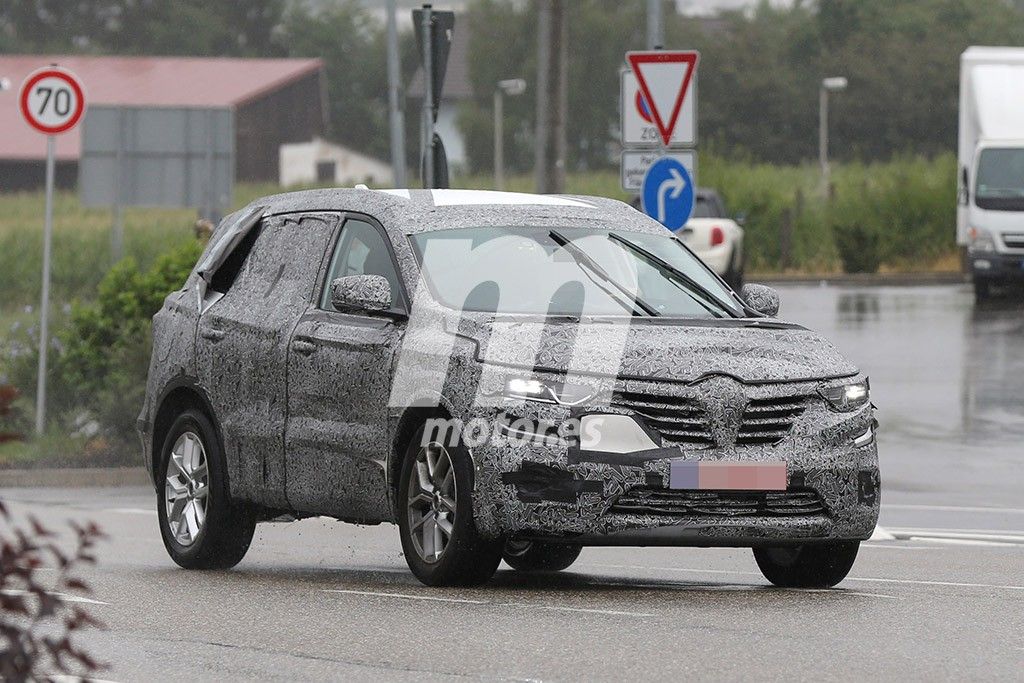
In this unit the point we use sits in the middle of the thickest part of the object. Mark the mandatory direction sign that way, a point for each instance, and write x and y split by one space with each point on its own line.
52 100
667 194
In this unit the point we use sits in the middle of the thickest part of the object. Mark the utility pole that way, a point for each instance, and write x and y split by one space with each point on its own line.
511 87
428 101
552 96
655 25
396 118
828 85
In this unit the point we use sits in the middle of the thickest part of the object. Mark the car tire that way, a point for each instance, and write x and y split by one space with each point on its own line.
202 528
435 517
533 556
734 275
812 565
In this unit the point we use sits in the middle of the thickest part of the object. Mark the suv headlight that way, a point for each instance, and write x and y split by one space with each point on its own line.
533 389
981 240
846 397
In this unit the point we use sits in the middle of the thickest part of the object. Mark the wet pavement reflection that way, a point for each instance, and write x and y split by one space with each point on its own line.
948 380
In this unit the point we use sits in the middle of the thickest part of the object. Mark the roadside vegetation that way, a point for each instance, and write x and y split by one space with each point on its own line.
897 215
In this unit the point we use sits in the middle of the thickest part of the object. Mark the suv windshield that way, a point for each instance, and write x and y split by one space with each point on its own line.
1000 181
569 272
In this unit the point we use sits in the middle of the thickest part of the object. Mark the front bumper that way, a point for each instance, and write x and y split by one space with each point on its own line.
554 491
996 266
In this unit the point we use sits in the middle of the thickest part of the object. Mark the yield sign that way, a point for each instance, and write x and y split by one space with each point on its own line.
664 79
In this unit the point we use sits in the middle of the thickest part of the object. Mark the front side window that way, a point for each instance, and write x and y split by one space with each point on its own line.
361 250
999 185
569 272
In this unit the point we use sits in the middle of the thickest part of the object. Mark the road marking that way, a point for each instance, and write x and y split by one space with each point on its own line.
1006 538
524 605
914 582
952 508
406 596
66 597
131 511
560 608
960 541
841 591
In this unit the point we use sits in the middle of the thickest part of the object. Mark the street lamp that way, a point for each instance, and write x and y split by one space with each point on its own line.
832 84
510 87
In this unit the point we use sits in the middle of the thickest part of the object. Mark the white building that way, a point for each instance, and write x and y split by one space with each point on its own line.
320 162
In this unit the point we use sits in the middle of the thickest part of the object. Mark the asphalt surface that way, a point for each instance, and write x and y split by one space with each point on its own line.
939 595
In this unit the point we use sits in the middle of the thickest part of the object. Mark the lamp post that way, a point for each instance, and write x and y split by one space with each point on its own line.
832 84
510 87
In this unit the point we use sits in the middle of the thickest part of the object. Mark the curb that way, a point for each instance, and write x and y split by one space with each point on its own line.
75 477
863 279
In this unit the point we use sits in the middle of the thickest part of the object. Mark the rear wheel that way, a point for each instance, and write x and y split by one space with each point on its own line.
435 521
812 565
200 525
532 556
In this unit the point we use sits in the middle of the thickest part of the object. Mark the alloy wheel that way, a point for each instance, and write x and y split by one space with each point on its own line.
432 498
187 488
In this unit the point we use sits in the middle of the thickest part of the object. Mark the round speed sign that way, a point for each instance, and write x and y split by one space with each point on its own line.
52 100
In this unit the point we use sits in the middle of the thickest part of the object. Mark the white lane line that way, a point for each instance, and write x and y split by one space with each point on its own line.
898 546
131 511
841 591
559 608
952 508
960 541
524 605
912 582
1006 538
66 597
64 678
406 596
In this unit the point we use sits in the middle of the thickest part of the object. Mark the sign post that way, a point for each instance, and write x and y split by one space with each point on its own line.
53 102
659 132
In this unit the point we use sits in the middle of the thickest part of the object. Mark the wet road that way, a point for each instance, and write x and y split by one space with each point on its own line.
938 596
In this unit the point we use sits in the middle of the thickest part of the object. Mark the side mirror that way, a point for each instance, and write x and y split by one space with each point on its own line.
762 299
740 219
370 293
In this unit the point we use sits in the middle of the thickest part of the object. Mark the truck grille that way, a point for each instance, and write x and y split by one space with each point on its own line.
796 502
1013 240
769 420
679 420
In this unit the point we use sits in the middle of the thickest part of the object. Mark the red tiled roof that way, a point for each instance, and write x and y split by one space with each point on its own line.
140 82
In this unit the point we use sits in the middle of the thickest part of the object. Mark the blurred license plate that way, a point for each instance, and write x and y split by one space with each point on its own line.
728 476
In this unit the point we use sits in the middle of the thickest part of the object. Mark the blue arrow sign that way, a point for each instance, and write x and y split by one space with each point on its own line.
668 193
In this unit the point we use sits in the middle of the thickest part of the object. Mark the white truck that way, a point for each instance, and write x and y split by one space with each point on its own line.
990 170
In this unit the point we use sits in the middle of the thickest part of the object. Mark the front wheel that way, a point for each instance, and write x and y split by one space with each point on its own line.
439 537
200 525
812 565
532 556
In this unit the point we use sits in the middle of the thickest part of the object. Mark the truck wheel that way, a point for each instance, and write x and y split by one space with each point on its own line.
435 520
982 290
812 565
200 525
532 556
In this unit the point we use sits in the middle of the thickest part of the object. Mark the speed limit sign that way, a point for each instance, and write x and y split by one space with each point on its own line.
52 100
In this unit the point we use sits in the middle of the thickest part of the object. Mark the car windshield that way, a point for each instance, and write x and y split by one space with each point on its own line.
569 272
1000 179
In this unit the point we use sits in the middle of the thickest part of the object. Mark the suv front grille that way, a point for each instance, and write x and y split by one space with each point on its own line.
795 502
1013 240
769 420
679 420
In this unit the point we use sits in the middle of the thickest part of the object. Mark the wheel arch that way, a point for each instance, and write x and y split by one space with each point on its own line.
180 395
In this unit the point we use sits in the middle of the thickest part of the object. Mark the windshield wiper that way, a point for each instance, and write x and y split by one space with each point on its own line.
675 275
582 258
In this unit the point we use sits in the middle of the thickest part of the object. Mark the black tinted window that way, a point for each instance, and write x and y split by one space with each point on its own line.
232 266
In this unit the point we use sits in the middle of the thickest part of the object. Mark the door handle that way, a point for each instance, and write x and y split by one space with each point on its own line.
211 334
303 346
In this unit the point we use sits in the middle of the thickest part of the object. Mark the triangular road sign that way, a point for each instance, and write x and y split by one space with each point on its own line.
664 78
